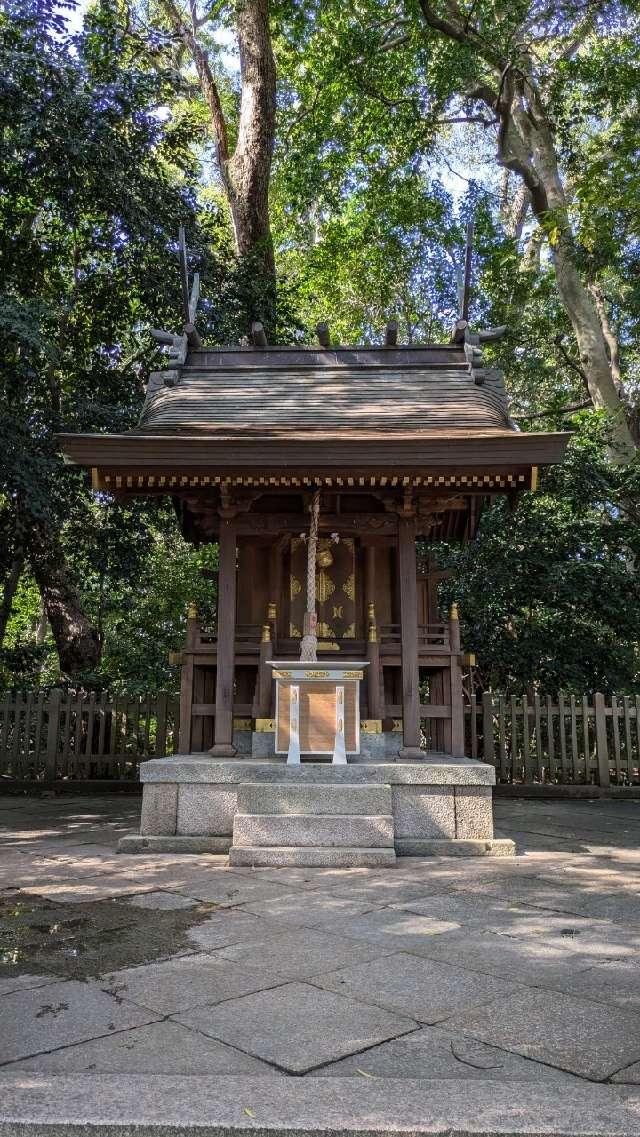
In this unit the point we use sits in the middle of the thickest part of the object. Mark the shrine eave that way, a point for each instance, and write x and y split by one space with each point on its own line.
311 455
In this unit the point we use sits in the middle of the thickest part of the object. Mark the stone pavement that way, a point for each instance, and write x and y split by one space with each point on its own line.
450 972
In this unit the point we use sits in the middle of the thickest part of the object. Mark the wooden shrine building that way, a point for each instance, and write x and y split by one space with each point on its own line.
406 445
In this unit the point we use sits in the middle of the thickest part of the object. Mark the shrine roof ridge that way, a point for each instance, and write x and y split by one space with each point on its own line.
291 394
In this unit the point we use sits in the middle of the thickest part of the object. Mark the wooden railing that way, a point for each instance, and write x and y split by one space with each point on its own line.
431 637
55 735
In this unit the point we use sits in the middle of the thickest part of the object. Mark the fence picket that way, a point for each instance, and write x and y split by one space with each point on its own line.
17 730
575 760
615 723
474 725
526 765
585 739
563 738
628 755
551 747
45 737
537 718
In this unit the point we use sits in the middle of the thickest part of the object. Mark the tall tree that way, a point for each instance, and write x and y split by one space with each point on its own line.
243 133
514 64
89 193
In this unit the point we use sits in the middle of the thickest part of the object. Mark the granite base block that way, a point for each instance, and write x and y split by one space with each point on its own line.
133 843
205 809
424 811
498 847
159 809
474 812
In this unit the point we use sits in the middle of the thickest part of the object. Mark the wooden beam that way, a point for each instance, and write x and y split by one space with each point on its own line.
223 745
322 332
193 339
408 571
490 335
258 335
458 331
391 334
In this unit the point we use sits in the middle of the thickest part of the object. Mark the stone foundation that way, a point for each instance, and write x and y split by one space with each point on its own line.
439 806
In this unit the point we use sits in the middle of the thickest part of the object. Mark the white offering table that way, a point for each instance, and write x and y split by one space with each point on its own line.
317 709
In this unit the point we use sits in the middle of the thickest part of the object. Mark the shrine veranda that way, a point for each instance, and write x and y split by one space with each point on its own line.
346 764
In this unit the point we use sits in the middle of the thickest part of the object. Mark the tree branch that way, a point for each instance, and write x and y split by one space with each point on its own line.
207 82
551 411
569 361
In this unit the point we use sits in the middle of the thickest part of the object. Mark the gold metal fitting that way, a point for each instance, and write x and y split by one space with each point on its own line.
192 611
371 610
454 613
271 610
373 634
324 558
266 634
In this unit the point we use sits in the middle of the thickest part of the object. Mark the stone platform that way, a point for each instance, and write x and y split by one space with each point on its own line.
269 813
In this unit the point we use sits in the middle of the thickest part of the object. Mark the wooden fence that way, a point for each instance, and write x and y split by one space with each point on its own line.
58 735
571 739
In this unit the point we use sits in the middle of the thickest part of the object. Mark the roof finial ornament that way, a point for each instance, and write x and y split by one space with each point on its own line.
179 345
461 331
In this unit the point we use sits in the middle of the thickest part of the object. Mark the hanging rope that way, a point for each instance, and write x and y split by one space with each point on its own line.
309 645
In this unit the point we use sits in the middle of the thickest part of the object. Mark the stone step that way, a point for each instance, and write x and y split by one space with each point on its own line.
290 829
339 856
188 1105
317 800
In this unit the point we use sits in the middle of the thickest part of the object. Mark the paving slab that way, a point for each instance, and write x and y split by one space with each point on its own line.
493 915
309 909
389 888
297 1026
435 1052
184 982
228 926
230 888
162 901
577 1035
394 929
616 981
118 1105
425 989
10 983
299 952
531 960
159 1048
42 1018
630 1075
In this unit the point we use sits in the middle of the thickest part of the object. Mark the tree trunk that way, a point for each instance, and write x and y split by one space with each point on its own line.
244 174
250 166
526 146
592 347
9 589
75 639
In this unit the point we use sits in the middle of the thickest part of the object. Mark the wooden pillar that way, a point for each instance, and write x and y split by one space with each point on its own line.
186 682
409 638
223 745
374 700
457 699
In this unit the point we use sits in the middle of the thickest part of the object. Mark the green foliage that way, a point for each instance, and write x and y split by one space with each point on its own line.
106 149
549 593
